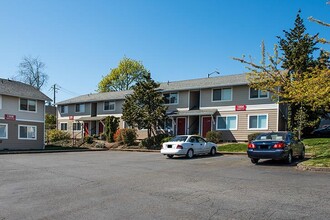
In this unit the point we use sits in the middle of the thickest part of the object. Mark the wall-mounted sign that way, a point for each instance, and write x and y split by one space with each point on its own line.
240 108
10 117
71 117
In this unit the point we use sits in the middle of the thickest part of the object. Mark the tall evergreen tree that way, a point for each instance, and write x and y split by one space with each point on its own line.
145 108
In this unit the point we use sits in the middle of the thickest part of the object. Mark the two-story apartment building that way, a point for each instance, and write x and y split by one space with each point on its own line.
22 116
196 106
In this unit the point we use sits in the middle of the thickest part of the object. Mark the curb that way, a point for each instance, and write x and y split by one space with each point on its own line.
49 151
135 150
311 168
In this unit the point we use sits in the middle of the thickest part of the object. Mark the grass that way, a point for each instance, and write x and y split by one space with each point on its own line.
233 147
320 150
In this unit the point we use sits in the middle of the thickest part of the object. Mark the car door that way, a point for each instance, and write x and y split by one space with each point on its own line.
194 144
204 147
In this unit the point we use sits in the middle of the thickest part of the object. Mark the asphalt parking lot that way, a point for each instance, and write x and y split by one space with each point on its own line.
131 185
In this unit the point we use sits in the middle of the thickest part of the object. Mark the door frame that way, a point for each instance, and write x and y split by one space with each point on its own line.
202 127
185 125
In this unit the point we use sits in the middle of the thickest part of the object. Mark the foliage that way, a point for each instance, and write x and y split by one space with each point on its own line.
145 108
117 136
213 136
253 136
320 150
50 121
111 126
126 136
57 135
88 139
154 142
31 71
123 77
235 147
166 139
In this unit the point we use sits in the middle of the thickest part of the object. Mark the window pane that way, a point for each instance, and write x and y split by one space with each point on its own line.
226 94
263 94
167 98
23 132
262 123
216 94
3 131
24 103
64 126
173 97
77 108
32 105
253 122
31 132
82 108
221 122
253 93
231 122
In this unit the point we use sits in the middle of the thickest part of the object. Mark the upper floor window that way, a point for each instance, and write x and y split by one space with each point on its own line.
258 94
224 94
227 122
80 107
64 109
28 105
3 131
109 106
171 98
258 122
27 132
64 126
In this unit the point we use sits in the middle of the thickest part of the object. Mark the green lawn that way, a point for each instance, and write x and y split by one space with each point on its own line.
320 150
233 147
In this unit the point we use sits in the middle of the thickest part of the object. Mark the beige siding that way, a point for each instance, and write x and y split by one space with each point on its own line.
118 107
183 101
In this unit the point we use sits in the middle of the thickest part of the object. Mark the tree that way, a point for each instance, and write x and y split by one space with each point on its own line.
50 121
31 71
145 108
111 126
128 73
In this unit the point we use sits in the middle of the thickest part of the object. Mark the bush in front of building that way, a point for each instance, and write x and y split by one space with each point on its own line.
253 136
88 139
126 136
57 135
154 142
213 136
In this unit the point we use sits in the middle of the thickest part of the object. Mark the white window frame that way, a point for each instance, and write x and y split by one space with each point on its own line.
27 138
259 92
66 126
80 107
19 105
6 130
81 126
226 129
109 110
231 95
177 98
66 109
0 101
267 122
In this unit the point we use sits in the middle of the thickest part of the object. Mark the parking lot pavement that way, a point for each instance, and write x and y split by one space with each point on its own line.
130 185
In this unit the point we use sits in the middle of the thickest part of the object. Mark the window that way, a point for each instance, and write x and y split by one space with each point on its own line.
64 126
258 121
27 132
227 122
76 126
64 109
28 105
0 101
80 107
224 94
3 131
109 106
171 98
258 94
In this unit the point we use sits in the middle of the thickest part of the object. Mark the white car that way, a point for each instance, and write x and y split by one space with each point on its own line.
188 145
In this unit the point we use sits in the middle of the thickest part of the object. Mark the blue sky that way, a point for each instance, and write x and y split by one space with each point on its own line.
80 40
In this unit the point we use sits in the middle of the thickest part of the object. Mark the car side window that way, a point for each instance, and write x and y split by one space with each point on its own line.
200 140
192 139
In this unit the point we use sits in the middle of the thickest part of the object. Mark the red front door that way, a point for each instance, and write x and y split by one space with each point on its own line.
181 126
86 132
100 128
206 125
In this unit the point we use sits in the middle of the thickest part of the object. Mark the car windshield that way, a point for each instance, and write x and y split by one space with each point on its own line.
271 137
179 138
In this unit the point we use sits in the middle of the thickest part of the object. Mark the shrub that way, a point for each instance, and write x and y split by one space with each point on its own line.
213 136
100 145
166 139
126 136
117 136
253 136
88 139
57 135
154 142
111 126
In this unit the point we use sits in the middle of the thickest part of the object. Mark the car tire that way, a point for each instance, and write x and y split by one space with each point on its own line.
190 154
213 151
254 160
302 155
170 156
289 158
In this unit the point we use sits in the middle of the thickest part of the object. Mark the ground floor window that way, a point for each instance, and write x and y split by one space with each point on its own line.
76 126
227 122
3 131
258 121
64 126
27 132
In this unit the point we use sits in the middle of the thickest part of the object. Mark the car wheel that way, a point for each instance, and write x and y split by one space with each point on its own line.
170 156
254 160
190 154
213 151
302 155
289 158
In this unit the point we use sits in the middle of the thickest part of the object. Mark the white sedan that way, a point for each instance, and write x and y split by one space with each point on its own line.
188 145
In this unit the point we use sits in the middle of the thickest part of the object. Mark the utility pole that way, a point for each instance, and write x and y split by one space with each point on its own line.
55 88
